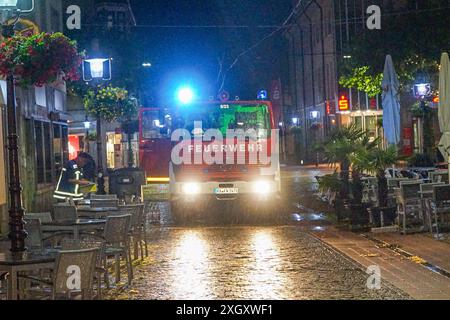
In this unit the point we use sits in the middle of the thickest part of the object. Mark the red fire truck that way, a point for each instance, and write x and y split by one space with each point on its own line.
224 176
244 174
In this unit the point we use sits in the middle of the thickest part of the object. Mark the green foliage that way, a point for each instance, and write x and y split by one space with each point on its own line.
339 148
361 79
341 144
414 38
376 160
329 182
110 103
421 110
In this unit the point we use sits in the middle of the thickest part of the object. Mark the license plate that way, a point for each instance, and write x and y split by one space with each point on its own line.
226 191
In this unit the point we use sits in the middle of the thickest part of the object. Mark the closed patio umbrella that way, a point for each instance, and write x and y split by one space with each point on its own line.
444 106
391 103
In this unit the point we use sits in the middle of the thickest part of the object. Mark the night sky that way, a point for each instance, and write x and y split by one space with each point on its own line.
192 53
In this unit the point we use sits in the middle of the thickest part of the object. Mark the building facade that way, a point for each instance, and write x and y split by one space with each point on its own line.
108 23
320 38
310 85
42 125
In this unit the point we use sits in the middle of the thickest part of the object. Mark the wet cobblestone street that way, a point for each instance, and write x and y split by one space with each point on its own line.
250 262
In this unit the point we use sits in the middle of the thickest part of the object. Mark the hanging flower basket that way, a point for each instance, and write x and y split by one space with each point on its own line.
40 59
109 103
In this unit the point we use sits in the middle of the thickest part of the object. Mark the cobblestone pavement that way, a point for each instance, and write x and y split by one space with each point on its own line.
252 262
248 263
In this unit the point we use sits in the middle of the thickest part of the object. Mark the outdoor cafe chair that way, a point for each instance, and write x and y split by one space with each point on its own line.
64 213
426 193
137 228
409 204
64 282
100 271
395 182
45 217
439 206
103 196
439 176
36 239
117 239
104 203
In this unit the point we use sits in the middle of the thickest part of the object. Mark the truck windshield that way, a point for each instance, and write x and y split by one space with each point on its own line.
225 116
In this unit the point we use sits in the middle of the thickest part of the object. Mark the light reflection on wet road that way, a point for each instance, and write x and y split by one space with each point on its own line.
249 263
253 262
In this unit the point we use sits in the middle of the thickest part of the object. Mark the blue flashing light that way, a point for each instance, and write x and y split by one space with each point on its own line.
185 95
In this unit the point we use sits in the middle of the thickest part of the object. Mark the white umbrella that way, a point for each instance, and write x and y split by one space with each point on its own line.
391 103
444 106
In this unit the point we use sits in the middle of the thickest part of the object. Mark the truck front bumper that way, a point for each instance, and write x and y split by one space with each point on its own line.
261 190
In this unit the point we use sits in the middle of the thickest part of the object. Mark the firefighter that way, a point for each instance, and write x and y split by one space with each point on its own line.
68 187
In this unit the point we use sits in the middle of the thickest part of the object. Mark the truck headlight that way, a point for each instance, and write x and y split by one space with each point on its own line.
191 188
261 187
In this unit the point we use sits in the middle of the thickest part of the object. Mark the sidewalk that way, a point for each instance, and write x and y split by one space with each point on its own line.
412 274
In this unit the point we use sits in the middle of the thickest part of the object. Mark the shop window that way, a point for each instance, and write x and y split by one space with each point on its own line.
47 153
40 96
65 143
3 88
74 146
57 149
59 100
51 149
40 163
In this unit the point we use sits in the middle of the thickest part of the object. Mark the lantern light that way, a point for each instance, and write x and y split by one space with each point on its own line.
315 114
422 90
96 69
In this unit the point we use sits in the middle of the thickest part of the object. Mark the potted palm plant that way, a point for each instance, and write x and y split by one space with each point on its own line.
377 161
338 150
357 208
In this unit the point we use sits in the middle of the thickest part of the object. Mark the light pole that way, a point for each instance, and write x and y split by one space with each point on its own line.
98 69
17 233
87 126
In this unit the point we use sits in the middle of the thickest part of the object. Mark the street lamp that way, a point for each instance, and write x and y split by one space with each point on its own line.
87 126
17 233
98 69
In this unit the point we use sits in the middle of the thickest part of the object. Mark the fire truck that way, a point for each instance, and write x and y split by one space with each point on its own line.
224 160
214 174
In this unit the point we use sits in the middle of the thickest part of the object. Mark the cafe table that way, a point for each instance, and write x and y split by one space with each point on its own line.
100 212
74 226
13 263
